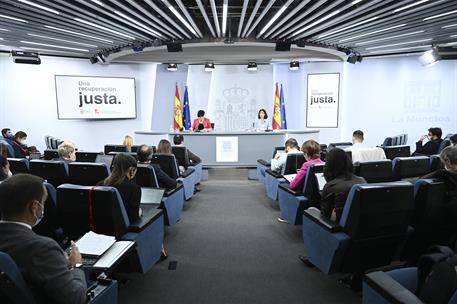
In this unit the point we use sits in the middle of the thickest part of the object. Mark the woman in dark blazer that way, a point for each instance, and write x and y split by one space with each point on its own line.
340 179
124 170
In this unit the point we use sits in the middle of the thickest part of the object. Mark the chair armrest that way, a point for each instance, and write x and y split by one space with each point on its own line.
188 172
174 190
389 289
264 162
285 187
315 216
272 173
149 215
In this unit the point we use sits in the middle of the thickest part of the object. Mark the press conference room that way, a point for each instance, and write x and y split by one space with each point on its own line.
228 151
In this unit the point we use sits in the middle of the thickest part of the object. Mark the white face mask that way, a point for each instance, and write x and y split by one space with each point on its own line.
40 217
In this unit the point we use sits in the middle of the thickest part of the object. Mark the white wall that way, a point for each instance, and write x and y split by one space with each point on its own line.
28 101
386 97
382 97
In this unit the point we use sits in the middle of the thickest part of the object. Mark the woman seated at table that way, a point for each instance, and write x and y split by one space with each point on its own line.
262 122
340 179
201 123
312 151
121 178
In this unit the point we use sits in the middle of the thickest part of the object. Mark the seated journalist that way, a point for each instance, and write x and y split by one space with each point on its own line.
51 274
432 145
144 154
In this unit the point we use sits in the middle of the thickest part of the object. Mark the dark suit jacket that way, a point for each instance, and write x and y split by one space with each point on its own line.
43 265
449 177
429 148
335 193
131 197
164 180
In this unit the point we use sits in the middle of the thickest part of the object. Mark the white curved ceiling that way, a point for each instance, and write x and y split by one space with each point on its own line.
85 28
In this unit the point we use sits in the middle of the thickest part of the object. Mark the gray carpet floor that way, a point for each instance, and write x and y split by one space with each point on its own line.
230 248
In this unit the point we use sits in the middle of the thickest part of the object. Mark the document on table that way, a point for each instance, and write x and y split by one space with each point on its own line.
290 177
114 253
321 180
94 244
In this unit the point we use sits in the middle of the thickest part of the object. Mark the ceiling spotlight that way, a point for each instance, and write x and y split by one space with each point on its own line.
429 58
172 67
252 66
101 58
93 60
209 67
25 57
294 65
354 57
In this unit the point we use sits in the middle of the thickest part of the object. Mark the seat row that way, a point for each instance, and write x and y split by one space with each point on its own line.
58 172
292 203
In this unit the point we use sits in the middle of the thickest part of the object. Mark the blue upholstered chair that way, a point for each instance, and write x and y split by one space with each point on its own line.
114 148
169 165
294 161
435 163
433 220
292 203
50 224
173 200
445 143
12 285
19 165
378 171
410 167
51 154
395 286
86 157
53 171
263 165
182 157
87 174
387 142
397 151
100 209
373 224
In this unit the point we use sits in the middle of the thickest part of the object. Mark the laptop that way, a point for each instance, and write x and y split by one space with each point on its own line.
105 159
320 180
151 196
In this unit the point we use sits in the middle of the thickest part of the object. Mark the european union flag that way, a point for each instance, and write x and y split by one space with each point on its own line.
186 117
283 110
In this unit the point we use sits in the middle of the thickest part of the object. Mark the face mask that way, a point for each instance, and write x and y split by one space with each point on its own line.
40 217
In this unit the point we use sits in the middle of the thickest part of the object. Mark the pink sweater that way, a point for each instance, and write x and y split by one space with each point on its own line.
298 181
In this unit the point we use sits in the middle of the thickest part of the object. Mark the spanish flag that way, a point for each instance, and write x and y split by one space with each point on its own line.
276 111
177 125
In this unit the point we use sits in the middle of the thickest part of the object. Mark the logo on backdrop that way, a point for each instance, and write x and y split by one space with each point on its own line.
234 112
89 95
421 103
318 97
